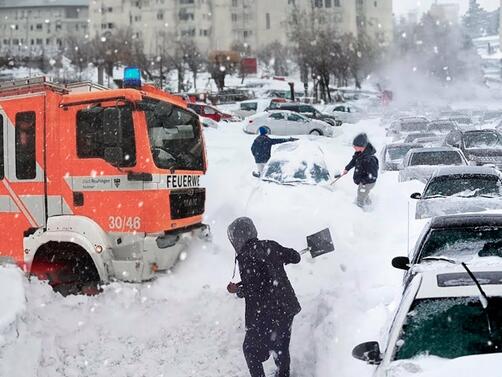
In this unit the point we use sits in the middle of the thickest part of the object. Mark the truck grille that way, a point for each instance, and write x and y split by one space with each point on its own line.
187 203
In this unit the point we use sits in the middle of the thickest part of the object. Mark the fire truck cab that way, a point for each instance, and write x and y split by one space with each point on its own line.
97 184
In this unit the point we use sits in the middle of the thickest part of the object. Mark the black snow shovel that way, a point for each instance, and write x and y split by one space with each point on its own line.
319 244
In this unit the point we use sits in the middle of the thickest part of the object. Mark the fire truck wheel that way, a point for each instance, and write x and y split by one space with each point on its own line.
67 267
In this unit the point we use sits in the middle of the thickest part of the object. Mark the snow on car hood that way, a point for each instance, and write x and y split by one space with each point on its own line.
300 162
431 366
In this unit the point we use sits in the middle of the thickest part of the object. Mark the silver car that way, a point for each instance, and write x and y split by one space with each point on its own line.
460 189
420 164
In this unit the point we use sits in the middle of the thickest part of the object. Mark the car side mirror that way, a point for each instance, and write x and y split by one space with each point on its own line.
401 263
416 196
368 352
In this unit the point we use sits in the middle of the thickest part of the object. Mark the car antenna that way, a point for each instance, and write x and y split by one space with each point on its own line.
483 298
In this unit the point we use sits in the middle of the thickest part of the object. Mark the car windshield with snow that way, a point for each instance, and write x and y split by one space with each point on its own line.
444 319
297 163
470 238
464 189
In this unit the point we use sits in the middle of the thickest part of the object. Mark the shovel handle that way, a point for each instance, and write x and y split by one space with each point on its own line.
305 251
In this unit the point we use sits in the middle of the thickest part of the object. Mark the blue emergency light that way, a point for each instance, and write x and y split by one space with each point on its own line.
132 77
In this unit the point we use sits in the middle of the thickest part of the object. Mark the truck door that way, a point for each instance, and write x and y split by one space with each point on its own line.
24 151
102 146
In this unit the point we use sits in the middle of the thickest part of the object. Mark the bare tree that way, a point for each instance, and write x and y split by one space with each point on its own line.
193 58
274 57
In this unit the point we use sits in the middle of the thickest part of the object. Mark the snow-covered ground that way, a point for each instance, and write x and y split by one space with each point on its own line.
186 324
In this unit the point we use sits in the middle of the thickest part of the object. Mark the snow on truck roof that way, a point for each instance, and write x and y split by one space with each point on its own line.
434 149
452 280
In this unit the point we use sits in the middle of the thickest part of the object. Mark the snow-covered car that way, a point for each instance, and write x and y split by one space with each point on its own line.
474 238
283 122
420 163
482 147
392 155
301 162
460 189
442 126
430 141
255 106
400 128
442 319
309 111
346 113
410 138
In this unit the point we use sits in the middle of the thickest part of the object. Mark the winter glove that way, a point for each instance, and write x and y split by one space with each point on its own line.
232 288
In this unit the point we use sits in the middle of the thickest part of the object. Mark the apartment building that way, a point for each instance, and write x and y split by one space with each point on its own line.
218 24
40 27
446 12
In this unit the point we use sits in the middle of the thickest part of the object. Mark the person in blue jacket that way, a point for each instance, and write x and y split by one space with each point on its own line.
365 165
262 149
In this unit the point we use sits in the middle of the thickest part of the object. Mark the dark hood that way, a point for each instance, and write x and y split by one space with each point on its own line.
240 232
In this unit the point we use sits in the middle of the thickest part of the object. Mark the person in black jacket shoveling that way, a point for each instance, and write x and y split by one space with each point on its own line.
365 166
262 149
271 302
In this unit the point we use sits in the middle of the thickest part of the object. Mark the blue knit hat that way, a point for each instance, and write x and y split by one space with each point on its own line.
263 130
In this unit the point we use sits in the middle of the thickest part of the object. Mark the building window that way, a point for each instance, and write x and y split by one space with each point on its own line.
234 3
318 3
267 19
337 3
39 26
291 2
95 138
26 163
327 3
2 174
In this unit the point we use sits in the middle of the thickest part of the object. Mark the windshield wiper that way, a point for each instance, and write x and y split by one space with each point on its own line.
444 259
483 299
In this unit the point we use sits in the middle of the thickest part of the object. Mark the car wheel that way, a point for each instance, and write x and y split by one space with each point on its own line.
316 132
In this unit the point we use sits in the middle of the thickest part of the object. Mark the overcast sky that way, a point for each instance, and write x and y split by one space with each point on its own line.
404 6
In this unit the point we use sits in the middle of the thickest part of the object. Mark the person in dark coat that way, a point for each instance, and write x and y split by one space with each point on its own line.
271 302
365 165
262 149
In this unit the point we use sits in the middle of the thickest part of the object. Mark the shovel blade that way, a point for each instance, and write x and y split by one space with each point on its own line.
320 243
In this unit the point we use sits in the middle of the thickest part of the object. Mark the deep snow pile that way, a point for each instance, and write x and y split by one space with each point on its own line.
185 323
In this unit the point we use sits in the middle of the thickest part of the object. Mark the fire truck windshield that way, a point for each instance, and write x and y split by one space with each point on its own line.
175 136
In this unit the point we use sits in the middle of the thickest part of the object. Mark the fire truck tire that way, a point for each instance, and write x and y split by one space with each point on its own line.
68 268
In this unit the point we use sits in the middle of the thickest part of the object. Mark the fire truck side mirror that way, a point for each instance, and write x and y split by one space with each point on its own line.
114 155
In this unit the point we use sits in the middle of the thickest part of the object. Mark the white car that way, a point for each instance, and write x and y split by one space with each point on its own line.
283 122
346 113
421 163
255 106
442 320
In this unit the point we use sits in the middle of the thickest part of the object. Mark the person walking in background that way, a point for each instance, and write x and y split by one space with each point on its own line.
365 165
262 149
271 302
